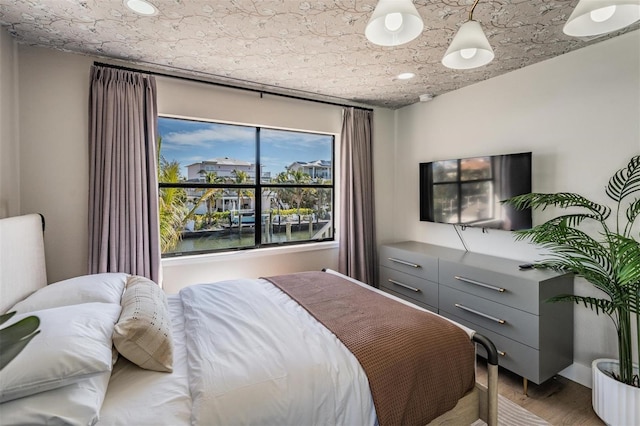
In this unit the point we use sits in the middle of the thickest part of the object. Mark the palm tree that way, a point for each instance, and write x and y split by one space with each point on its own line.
320 195
241 177
171 205
298 177
210 193
280 193
293 195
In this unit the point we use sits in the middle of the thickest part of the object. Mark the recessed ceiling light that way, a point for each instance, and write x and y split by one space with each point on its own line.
141 7
405 76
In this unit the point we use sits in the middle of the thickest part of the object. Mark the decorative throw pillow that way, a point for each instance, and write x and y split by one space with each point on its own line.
143 332
74 343
104 288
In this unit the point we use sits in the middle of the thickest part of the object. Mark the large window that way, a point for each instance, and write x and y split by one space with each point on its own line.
229 187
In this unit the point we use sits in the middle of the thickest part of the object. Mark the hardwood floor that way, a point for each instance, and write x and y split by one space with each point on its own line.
559 400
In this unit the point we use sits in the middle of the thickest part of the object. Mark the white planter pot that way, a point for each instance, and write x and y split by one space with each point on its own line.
614 402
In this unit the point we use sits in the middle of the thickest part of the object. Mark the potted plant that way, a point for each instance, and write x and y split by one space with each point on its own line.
610 260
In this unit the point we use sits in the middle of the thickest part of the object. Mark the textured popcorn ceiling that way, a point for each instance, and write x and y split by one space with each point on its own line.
314 48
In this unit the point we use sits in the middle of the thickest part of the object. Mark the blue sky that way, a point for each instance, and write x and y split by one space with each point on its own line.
190 142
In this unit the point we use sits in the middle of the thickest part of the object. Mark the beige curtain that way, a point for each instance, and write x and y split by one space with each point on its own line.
357 253
123 188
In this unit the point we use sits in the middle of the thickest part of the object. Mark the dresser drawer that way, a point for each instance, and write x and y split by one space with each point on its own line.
494 297
409 262
509 322
512 355
512 290
409 286
415 302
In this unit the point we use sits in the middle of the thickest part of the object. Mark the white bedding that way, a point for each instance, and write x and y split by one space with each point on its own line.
251 357
257 357
141 397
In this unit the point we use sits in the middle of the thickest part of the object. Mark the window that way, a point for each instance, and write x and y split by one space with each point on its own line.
228 187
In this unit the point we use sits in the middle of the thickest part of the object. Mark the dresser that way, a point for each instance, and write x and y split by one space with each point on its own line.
491 295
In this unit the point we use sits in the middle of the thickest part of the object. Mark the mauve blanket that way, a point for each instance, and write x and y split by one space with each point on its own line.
418 364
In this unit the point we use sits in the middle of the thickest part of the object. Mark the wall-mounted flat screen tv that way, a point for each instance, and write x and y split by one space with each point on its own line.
468 191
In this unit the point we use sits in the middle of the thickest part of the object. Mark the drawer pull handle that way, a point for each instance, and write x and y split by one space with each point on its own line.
417 290
501 353
404 262
473 311
474 282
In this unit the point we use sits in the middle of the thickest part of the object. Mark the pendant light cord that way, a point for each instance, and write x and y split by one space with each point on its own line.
471 11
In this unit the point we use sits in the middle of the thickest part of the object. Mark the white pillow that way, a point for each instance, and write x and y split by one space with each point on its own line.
74 343
76 404
105 288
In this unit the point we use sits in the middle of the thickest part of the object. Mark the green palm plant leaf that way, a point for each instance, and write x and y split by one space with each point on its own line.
632 213
171 205
569 243
598 305
562 200
610 260
591 272
171 219
626 253
15 337
627 256
625 181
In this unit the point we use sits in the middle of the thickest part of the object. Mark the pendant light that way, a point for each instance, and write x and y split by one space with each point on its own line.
470 47
594 17
394 22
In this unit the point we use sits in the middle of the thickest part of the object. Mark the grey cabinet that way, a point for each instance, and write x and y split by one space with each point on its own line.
410 270
492 296
415 289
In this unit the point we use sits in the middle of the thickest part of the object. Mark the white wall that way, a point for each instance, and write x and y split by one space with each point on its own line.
53 126
384 169
54 153
9 157
578 114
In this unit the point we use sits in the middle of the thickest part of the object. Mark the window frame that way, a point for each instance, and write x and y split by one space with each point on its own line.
257 187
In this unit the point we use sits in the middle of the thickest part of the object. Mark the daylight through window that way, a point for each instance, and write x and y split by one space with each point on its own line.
228 187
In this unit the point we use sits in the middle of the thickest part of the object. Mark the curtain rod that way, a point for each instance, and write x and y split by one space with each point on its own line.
230 86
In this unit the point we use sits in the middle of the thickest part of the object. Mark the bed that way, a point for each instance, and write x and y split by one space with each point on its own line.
113 349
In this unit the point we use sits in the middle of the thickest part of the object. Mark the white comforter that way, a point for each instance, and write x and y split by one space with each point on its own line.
251 356
256 357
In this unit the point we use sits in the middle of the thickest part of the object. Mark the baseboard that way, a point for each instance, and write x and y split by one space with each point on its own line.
579 373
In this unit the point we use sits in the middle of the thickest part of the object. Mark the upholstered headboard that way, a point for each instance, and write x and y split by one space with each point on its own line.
22 264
